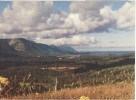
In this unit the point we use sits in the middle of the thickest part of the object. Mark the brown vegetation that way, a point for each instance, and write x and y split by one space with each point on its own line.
61 68
120 90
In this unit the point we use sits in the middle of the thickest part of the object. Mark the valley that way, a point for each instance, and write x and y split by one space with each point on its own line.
28 75
67 49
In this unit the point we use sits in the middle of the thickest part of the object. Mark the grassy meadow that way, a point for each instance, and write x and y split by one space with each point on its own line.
99 78
122 90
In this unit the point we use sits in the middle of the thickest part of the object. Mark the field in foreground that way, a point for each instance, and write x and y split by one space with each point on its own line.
122 90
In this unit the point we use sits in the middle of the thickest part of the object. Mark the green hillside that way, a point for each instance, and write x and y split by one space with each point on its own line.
31 80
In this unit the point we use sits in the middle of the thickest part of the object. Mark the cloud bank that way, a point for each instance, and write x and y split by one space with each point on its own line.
41 22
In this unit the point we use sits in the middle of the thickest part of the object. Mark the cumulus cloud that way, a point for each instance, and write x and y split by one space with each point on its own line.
98 16
41 22
123 18
37 17
86 9
24 16
126 16
76 40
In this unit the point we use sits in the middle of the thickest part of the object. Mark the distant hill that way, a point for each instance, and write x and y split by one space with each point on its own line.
22 47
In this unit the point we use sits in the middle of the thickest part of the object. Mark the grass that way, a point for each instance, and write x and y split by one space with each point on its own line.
97 77
42 81
122 90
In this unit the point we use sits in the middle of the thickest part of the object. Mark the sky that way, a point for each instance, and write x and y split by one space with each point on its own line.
100 25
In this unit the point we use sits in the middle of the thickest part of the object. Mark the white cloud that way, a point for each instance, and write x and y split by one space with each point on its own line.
126 16
39 21
25 16
123 18
85 15
4 27
76 40
37 17
98 16
86 8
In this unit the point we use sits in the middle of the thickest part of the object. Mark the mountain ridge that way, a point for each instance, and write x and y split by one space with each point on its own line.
24 47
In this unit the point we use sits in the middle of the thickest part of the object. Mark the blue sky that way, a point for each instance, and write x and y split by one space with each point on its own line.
79 21
60 5
117 40
3 4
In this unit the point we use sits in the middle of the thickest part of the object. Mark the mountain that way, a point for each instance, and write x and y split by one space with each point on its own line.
23 47
64 48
